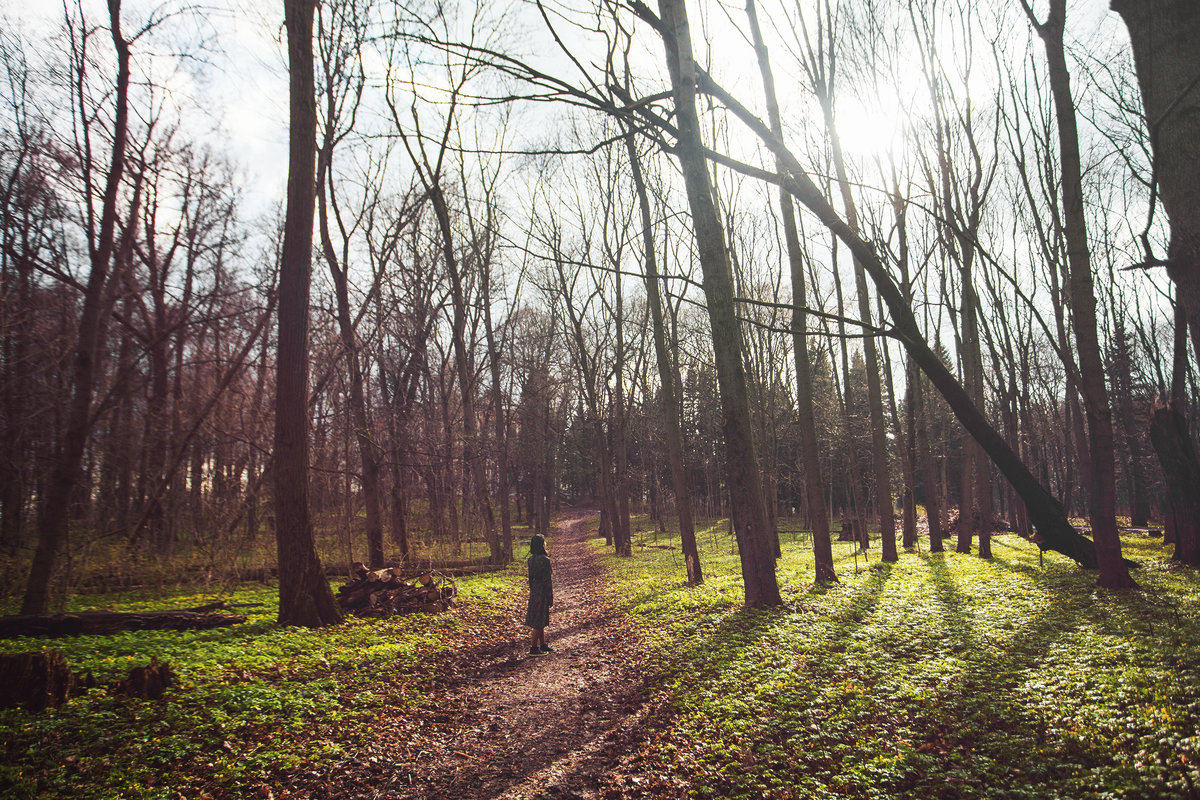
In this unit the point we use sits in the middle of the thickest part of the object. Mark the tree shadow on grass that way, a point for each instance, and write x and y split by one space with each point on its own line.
720 663
982 735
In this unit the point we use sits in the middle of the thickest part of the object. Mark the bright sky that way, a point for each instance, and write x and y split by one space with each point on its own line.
237 99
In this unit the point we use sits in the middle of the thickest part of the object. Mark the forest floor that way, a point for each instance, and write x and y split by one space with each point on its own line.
943 675
506 724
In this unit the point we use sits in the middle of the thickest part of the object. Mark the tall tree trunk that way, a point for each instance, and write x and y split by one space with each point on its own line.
619 423
974 513
1163 34
667 378
908 525
304 594
810 457
854 477
1173 443
364 440
909 538
500 417
55 507
17 385
933 513
907 432
1139 500
1177 454
758 563
1102 493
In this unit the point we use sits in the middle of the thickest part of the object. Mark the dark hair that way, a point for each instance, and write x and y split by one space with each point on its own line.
537 545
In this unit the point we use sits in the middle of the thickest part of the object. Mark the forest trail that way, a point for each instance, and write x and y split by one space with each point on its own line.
507 725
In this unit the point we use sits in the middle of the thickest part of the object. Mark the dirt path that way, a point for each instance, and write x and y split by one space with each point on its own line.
510 726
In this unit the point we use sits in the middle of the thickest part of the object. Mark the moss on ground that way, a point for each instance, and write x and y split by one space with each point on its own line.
253 700
943 675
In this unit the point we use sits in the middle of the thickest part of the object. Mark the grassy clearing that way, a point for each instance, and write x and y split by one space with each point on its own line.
253 700
940 676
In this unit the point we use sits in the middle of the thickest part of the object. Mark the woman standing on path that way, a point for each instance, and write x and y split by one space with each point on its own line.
541 595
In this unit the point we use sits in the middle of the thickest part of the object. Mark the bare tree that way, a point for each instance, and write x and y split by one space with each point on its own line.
341 34
821 68
304 594
1102 495
749 514
668 376
814 491
55 505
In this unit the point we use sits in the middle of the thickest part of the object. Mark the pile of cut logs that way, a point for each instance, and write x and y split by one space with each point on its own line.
383 592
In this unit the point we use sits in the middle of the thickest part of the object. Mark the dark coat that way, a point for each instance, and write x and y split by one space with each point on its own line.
541 592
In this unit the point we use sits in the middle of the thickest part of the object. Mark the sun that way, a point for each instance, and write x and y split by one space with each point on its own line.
873 132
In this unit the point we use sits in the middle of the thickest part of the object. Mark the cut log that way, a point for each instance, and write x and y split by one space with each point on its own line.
94 623
36 680
385 592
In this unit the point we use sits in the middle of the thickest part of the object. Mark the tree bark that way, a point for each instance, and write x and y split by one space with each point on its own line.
745 487
1102 493
304 594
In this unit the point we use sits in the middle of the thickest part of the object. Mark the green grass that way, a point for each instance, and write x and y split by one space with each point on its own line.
940 676
252 700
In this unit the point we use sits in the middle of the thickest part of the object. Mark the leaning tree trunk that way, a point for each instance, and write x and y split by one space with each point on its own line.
304 594
745 487
1045 511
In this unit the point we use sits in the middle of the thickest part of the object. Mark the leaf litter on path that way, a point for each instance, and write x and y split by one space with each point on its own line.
505 725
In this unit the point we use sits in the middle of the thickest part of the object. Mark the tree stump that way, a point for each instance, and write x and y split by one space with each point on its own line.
35 680
147 683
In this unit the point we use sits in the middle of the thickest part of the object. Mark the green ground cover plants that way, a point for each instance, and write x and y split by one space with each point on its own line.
943 675
252 700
